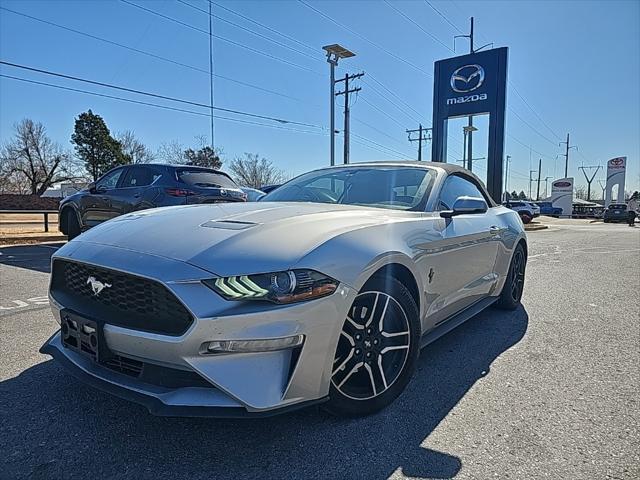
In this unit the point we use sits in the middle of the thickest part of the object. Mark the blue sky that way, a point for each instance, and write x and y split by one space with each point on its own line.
573 63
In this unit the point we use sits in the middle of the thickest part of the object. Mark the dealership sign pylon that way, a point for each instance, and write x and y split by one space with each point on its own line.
562 195
616 168
472 84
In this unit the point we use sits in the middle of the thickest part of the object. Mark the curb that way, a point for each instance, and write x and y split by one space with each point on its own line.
12 240
533 228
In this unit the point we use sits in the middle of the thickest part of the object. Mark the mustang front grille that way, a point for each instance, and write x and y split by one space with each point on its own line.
118 298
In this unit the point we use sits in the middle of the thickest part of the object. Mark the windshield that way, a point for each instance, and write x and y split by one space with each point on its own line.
401 188
204 178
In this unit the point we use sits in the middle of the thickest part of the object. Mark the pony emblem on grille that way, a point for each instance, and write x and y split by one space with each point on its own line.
97 286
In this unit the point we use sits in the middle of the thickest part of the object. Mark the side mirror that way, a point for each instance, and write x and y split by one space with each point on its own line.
92 187
465 206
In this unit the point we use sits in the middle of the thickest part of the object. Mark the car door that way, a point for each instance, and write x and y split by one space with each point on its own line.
464 265
135 192
96 207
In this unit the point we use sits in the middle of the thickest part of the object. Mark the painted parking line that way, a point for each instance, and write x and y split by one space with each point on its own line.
23 303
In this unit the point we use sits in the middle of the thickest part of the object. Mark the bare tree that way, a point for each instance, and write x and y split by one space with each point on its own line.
171 152
255 172
134 149
581 192
33 160
202 155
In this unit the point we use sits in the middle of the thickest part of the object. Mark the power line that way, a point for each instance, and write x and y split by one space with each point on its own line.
382 146
266 27
359 35
529 147
510 84
442 15
381 132
363 141
531 126
241 27
310 47
156 95
386 97
152 55
398 122
426 32
306 45
393 94
165 107
533 110
224 39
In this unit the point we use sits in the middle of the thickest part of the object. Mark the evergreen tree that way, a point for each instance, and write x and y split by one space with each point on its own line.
95 146
522 195
204 157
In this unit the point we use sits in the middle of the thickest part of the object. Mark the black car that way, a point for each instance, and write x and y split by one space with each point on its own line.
135 187
617 212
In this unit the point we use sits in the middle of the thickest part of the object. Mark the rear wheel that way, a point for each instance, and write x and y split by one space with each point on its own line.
73 227
514 284
377 350
526 218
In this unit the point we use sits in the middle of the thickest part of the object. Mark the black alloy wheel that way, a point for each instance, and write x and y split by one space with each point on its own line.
377 349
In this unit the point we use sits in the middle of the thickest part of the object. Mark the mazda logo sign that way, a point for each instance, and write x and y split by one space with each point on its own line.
562 184
467 78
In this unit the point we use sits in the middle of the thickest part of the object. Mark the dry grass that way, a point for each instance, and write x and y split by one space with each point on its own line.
23 218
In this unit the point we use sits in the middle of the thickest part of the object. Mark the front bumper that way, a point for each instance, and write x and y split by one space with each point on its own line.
181 402
238 384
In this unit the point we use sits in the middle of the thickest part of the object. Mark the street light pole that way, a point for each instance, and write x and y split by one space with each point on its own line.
467 132
334 53
332 114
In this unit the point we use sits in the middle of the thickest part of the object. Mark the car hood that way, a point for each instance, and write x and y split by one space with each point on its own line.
236 238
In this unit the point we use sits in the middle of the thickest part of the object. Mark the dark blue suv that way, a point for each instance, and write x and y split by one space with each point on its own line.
135 187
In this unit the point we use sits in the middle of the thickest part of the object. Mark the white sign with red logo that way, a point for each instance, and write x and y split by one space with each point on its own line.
562 195
616 168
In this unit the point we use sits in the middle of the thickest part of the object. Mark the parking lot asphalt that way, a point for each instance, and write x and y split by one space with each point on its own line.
548 391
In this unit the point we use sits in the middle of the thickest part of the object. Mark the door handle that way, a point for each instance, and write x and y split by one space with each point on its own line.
493 230
137 195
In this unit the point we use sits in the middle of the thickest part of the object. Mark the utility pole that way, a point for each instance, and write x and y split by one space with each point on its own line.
211 75
506 174
539 173
539 179
603 187
546 182
334 53
346 93
424 135
589 180
472 49
566 156
531 179
470 126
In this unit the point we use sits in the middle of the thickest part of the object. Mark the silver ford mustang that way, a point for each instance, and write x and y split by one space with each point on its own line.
324 291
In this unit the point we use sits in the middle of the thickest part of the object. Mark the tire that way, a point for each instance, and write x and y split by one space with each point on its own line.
514 284
371 365
73 227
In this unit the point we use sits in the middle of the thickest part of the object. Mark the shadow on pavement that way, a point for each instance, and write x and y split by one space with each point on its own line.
55 427
32 257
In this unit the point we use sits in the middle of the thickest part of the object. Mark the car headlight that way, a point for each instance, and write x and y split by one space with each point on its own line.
279 287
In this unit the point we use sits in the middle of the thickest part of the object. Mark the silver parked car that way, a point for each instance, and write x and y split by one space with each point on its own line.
324 291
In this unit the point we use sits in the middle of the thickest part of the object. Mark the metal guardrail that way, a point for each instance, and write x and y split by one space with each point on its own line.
46 214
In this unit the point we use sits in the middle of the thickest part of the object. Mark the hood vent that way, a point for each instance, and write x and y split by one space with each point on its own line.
228 224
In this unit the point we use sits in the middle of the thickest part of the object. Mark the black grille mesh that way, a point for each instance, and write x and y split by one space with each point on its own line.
128 300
